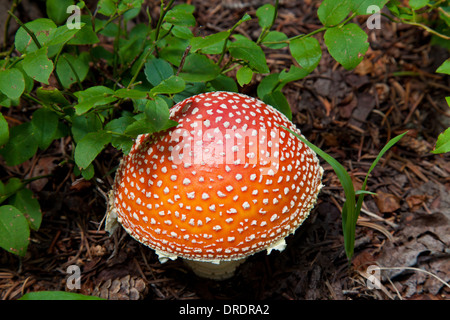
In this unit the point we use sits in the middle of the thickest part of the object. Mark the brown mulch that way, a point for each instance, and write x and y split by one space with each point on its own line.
350 115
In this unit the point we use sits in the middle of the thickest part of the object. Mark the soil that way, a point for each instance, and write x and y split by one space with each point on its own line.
349 114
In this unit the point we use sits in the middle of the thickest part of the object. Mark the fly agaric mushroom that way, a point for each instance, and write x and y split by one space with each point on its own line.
223 184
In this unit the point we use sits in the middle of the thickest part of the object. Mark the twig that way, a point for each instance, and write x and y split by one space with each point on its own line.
31 33
183 59
417 269
8 20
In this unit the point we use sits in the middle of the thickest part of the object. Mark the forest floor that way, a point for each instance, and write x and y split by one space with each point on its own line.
351 115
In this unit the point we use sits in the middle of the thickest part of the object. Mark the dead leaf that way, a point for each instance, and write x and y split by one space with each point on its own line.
357 182
364 67
44 166
366 103
415 202
345 110
80 184
387 202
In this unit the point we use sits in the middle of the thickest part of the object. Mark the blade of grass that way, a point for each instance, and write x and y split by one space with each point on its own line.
374 163
349 215
350 209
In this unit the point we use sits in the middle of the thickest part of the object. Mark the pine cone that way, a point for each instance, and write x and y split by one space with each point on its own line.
125 288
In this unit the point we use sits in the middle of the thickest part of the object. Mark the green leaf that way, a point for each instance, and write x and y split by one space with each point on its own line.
245 17
12 83
332 12
92 97
203 43
130 94
86 34
21 145
129 8
155 118
157 111
275 36
117 127
307 52
84 124
56 10
38 66
266 15
72 69
277 100
347 44
42 29
57 295
267 85
140 126
244 76
179 16
173 50
198 68
174 84
364 7
107 7
295 73
10 188
50 95
4 130
14 230
250 52
29 206
182 32
443 142
418 4
90 146
444 15
223 83
444 67
44 125
89 172
157 70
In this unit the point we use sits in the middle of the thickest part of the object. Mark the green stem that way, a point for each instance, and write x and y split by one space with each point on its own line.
144 60
74 72
31 33
162 14
141 65
116 48
266 30
56 61
8 20
54 108
224 48
443 36
111 19
301 36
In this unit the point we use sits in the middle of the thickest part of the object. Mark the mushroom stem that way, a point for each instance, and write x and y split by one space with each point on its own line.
217 271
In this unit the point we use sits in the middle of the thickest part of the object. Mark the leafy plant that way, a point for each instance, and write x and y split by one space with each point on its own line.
443 141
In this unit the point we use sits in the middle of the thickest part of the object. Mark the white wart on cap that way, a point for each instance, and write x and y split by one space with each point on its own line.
223 184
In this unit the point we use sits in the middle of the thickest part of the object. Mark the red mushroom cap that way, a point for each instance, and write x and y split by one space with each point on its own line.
223 184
